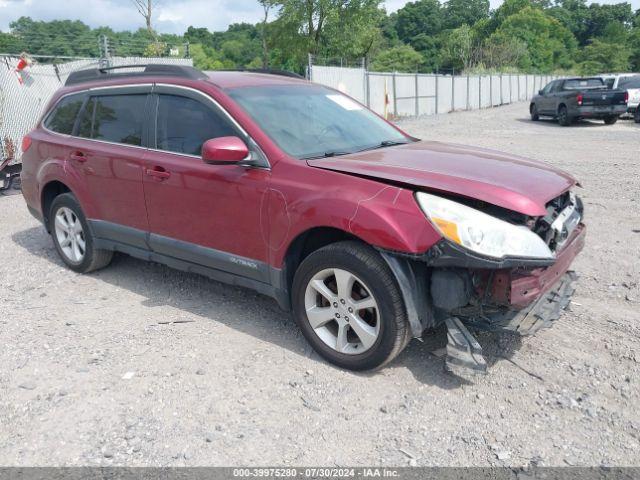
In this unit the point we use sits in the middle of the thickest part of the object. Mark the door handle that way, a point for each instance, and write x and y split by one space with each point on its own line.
158 173
78 156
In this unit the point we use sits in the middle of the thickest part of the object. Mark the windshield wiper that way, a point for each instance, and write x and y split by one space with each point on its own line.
329 154
384 144
337 153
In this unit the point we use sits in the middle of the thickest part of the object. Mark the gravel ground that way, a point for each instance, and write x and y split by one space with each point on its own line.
92 373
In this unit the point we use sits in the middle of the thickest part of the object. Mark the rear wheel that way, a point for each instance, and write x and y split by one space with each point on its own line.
72 237
349 306
636 115
533 110
563 117
610 120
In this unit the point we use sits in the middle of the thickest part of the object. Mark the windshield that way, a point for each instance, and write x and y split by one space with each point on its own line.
628 83
308 121
581 84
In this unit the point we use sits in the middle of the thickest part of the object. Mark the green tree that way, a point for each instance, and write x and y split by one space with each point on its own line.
398 59
634 46
575 16
421 17
549 44
599 57
464 12
11 43
461 49
325 27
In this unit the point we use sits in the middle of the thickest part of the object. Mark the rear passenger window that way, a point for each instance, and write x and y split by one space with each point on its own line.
63 116
86 119
184 124
116 118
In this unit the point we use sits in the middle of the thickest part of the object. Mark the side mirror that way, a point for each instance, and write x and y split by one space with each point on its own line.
540 92
224 151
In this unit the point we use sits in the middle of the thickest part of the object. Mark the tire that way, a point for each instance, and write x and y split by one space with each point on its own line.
533 110
373 283
636 115
563 117
65 208
611 120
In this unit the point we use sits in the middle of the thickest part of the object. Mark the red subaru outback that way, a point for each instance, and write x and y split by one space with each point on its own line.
368 235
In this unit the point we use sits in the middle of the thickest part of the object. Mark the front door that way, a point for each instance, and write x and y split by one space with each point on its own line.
204 214
544 104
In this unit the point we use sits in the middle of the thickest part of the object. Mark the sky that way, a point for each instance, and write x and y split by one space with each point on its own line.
174 16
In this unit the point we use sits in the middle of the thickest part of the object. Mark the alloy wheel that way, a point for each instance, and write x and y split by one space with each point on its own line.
70 235
342 311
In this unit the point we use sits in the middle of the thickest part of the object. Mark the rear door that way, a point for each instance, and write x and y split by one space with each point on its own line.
204 214
108 149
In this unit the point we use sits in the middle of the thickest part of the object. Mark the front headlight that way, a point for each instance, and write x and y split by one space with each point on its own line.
480 232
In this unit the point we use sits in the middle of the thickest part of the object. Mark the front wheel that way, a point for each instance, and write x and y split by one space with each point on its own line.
72 237
563 117
611 120
533 110
349 307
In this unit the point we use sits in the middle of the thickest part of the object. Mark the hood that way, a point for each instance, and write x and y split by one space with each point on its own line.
508 181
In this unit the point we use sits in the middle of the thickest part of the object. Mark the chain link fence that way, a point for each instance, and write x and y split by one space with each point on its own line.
23 98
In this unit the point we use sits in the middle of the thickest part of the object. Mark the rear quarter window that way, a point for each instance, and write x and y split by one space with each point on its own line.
63 116
583 83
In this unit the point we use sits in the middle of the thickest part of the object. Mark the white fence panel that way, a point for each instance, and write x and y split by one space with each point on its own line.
495 90
522 87
406 95
445 87
459 100
411 94
427 94
351 81
473 93
485 91
376 94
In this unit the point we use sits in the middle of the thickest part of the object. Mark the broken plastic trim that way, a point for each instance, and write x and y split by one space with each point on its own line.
541 314
464 353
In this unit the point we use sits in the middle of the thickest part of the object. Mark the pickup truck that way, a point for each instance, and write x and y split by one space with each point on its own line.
632 86
571 99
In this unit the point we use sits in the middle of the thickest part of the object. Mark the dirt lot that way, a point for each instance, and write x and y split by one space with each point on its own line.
92 374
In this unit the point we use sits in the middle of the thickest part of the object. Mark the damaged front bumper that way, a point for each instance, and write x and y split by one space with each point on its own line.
449 286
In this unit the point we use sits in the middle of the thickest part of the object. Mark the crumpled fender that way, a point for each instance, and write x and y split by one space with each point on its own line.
302 198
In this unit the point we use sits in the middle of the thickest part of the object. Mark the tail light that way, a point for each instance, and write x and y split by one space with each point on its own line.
579 98
626 96
26 143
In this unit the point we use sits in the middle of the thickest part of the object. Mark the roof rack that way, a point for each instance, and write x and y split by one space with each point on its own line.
149 70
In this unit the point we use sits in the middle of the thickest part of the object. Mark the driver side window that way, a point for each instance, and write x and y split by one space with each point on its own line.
548 88
184 124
